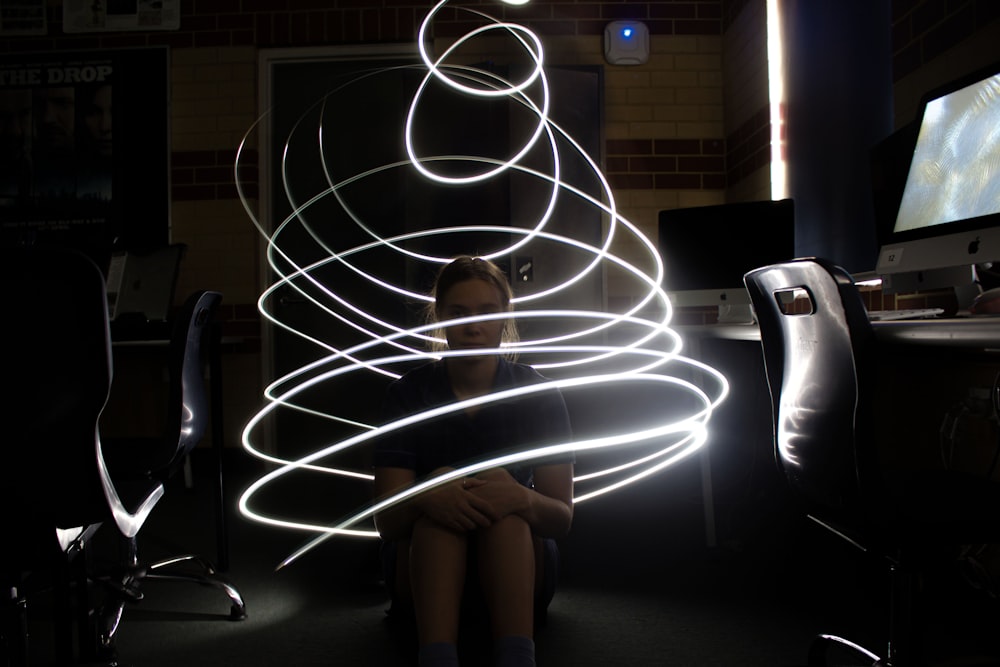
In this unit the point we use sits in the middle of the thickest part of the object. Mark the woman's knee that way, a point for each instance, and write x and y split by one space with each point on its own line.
427 532
510 529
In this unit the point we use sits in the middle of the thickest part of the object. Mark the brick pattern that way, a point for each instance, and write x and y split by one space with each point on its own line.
214 25
749 147
924 29
583 17
671 164
875 299
287 23
668 142
208 175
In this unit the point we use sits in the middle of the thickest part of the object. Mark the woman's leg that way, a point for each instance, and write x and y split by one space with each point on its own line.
437 576
507 573
399 578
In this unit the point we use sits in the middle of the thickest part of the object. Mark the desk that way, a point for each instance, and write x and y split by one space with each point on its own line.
162 345
913 339
981 333
959 332
695 337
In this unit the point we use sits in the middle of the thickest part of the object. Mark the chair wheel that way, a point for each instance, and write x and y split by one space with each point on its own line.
237 613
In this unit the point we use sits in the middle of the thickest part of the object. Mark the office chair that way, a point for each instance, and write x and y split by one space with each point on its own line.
57 371
819 355
140 467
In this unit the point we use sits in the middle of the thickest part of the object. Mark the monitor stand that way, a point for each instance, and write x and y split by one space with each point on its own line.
961 279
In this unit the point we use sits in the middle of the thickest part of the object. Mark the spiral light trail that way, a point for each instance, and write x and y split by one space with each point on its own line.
616 357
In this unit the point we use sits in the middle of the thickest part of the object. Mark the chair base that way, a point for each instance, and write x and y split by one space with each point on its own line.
126 588
208 576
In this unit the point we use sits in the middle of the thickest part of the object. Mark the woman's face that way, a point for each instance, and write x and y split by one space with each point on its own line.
468 298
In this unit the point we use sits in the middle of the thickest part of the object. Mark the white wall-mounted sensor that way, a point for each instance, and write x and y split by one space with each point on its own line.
626 43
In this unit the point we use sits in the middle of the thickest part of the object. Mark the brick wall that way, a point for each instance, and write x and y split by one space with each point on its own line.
688 128
665 140
923 30
746 104
669 109
934 42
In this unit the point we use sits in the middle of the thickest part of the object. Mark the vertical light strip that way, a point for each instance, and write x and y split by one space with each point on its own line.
776 99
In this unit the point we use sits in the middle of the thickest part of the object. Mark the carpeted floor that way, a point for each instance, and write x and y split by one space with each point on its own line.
639 587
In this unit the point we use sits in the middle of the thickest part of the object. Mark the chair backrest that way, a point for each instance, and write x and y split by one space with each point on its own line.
817 342
57 368
187 401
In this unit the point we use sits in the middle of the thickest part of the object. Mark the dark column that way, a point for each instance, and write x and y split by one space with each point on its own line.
838 92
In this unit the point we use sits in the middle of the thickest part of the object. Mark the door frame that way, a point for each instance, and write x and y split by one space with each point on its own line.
267 61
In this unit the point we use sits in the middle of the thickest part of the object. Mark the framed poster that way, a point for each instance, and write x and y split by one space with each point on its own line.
84 149
117 15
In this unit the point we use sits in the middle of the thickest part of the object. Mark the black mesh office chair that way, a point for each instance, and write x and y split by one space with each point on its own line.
819 352
57 374
141 466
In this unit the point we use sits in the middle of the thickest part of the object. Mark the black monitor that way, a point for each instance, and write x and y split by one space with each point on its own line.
706 250
948 220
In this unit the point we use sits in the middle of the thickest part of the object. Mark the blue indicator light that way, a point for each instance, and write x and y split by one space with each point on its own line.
626 33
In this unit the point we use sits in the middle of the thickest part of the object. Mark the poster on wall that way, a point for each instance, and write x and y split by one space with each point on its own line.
22 17
115 15
84 148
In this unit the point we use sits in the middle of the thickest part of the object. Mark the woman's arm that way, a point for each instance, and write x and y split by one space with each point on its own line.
548 507
394 522
551 515
453 504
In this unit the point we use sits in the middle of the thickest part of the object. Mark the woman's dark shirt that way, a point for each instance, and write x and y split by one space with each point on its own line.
512 425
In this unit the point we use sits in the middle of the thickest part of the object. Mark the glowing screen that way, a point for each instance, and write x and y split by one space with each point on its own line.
956 162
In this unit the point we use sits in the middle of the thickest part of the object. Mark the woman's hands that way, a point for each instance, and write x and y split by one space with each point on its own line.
503 494
474 502
477 502
455 505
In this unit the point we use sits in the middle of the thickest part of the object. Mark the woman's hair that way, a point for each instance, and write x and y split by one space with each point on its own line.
464 268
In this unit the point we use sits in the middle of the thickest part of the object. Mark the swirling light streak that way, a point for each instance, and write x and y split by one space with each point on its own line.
661 357
653 282
614 219
695 424
485 79
655 289
545 123
365 314
638 363
542 115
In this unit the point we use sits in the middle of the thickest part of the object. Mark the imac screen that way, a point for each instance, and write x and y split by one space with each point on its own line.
949 214
955 173
706 250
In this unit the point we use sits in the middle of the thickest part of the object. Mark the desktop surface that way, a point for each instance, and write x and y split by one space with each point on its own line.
972 332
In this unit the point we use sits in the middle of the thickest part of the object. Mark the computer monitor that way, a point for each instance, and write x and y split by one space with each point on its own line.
706 250
948 220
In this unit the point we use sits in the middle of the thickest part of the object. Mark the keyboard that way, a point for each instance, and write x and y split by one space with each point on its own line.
904 314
